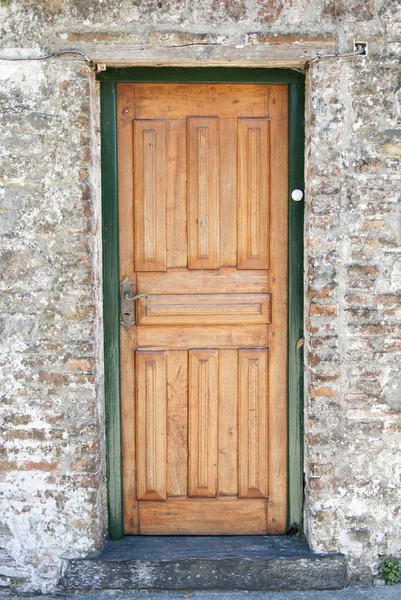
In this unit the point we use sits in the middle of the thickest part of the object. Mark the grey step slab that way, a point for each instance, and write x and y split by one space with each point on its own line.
206 563
351 593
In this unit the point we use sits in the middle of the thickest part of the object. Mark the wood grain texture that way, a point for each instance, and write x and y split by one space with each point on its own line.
228 423
127 370
278 341
222 281
203 516
204 309
180 100
202 442
176 165
266 56
253 193
228 191
201 336
125 116
151 369
209 426
177 423
150 195
203 193
253 424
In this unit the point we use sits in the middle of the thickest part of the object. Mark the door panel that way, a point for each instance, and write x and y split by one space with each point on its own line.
203 193
203 236
253 424
203 309
202 441
150 195
253 194
151 378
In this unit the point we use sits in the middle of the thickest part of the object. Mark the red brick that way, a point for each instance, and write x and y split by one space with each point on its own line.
7 466
324 391
270 10
325 310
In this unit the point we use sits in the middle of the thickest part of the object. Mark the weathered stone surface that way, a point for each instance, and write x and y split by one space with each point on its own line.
50 474
226 563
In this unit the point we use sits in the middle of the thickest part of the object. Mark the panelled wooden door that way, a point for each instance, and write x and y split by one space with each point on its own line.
203 175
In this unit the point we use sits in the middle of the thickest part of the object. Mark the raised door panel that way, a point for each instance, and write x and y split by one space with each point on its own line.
253 193
204 309
253 426
151 368
150 195
203 390
203 193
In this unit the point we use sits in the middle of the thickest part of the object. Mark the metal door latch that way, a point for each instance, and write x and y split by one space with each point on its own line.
127 302
128 297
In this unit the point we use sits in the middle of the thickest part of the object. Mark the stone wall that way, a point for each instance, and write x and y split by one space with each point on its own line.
52 452
51 464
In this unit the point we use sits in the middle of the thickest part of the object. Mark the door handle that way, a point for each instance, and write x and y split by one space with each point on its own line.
127 302
136 296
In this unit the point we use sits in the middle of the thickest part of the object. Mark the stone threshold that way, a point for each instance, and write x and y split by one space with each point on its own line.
206 563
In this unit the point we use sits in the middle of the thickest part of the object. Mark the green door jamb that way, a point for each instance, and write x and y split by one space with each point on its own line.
111 307
108 79
295 307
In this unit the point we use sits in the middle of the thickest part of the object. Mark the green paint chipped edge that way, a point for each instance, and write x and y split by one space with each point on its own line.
111 309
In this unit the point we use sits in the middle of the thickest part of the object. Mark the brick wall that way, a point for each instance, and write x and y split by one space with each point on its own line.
52 451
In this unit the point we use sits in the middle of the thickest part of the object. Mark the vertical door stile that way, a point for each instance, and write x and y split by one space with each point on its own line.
125 117
278 331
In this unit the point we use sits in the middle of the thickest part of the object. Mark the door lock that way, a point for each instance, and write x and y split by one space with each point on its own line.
127 302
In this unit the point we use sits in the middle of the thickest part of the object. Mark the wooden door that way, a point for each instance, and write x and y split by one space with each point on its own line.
203 233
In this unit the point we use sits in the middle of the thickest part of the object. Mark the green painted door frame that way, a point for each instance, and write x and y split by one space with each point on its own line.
108 80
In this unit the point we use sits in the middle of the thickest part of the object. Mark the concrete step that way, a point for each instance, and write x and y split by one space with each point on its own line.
206 563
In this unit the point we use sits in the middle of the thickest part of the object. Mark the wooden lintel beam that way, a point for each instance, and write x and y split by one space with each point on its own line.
266 55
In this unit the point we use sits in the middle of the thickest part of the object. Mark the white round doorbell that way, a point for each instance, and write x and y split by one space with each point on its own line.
297 195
